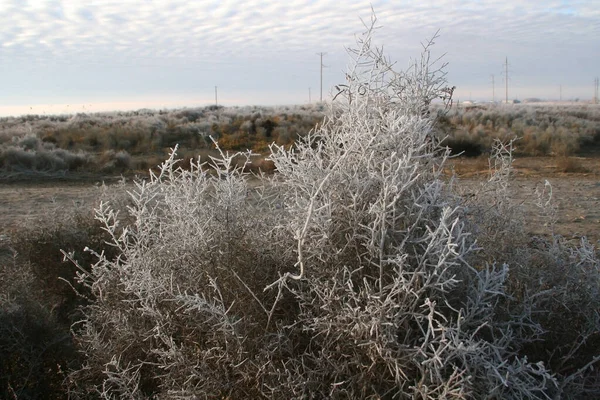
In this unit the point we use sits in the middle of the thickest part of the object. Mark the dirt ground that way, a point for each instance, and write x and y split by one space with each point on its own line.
34 202
576 195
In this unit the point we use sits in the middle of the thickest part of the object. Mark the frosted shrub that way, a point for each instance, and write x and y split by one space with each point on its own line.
392 298
168 314
28 154
546 280
494 218
357 271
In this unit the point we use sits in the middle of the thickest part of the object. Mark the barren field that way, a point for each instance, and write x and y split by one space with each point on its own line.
33 202
576 195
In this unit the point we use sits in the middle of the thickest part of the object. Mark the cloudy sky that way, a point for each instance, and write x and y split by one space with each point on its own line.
61 56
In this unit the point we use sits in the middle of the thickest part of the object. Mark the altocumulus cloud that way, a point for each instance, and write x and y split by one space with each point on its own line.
111 50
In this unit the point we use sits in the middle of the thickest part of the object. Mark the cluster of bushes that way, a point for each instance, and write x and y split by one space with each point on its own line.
29 155
118 142
357 271
541 129
138 140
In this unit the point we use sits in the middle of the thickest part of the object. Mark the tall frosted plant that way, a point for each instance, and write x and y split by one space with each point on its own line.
368 163
389 297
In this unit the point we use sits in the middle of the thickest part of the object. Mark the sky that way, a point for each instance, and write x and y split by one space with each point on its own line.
69 56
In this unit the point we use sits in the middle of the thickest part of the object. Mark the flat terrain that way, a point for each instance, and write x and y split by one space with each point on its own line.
576 195
33 202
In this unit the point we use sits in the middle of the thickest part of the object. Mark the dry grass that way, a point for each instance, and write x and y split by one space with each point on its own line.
570 165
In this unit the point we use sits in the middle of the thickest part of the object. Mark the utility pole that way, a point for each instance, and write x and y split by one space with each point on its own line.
309 97
560 93
321 54
493 90
506 79
216 98
596 83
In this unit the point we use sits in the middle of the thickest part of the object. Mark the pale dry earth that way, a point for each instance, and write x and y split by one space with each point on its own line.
575 196
574 205
33 203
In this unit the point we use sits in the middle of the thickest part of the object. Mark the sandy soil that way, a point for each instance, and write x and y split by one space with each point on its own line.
576 195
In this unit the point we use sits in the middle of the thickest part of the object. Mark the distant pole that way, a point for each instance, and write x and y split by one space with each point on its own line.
493 90
506 79
216 97
321 54
309 97
560 93
596 83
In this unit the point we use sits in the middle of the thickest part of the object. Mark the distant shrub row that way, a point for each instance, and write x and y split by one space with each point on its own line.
542 130
146 132
138 140
30 155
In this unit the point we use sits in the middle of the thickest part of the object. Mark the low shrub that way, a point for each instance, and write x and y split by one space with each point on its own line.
31 154
38 303
115 162
569 164
463 147
36 352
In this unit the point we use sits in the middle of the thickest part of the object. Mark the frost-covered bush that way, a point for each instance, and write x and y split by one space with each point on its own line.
543 129
357 271
29 153
392 294
181 308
